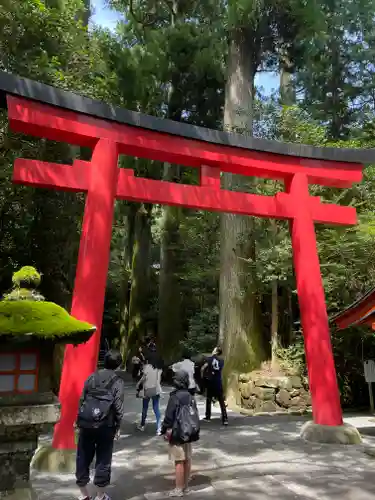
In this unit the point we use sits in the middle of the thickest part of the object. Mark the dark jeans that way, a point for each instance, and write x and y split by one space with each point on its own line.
99 443
216 393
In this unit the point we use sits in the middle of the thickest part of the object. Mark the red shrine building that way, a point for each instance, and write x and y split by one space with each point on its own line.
361 312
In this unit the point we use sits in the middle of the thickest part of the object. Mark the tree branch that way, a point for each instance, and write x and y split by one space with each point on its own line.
148 19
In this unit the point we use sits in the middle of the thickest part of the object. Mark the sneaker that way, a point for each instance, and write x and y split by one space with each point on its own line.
140 427
105 497
225 422
158 432
206 419
177 492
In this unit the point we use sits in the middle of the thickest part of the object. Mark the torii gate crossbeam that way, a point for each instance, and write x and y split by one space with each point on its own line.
103 182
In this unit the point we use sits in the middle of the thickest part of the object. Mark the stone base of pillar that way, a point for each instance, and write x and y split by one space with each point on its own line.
48 459
340 434
19 494
15 459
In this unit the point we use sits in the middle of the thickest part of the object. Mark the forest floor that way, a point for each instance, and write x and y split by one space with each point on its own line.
256 458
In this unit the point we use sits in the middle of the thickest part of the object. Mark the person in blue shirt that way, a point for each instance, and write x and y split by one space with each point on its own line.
212 372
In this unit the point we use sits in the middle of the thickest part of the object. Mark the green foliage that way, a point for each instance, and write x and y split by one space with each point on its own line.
292 358
24 311
26 276
41 319
336 75
46 41
202 333
23 294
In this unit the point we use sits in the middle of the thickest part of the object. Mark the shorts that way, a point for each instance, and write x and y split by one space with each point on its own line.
180 452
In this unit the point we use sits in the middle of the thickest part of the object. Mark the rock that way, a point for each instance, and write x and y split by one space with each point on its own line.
245 411
305 383
283 398
306 397
266 382
283 392
250 402
264 393
285 383
244 377
297 402
296 382
340 434
266 407
247 390
294 393
243 390
296 410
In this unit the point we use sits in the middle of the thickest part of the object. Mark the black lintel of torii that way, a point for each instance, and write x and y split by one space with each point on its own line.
36 91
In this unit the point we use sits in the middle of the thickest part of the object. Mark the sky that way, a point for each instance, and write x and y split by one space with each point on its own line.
108 18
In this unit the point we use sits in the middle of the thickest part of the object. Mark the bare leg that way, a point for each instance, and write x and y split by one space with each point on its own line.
84 492
180 475
100 492
187 470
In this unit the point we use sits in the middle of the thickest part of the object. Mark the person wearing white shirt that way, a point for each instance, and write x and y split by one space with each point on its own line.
188 366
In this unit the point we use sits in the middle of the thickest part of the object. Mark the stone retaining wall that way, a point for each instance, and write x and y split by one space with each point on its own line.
281 394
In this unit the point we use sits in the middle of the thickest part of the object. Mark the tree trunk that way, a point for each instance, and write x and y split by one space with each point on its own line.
274 326
275 342
239 308
287 98
337 104
170 314
290 316
170 303
287 88
127 272
139 303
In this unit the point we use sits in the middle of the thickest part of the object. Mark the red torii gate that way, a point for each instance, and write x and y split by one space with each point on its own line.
43 111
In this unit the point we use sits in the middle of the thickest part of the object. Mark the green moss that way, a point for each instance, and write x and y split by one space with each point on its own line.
42 319
27 276
23 294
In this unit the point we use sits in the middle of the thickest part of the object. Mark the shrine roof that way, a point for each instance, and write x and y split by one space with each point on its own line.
23 87
361 312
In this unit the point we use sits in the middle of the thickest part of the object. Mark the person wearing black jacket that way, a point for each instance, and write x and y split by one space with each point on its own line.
179 453
99 441
212 370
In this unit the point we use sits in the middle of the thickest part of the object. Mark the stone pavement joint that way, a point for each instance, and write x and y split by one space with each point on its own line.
256 458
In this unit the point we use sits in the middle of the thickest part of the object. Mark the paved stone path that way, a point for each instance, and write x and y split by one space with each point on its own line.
256 458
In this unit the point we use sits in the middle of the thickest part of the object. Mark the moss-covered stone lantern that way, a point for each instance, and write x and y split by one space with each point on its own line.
30 327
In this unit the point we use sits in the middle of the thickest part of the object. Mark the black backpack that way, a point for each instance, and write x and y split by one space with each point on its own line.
186 427
96 409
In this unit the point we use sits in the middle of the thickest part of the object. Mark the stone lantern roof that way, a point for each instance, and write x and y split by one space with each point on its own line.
24 313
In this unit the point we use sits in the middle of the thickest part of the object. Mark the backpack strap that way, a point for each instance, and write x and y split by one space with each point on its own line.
109 384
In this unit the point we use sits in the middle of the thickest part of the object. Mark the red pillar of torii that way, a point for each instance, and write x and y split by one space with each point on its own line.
103 181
